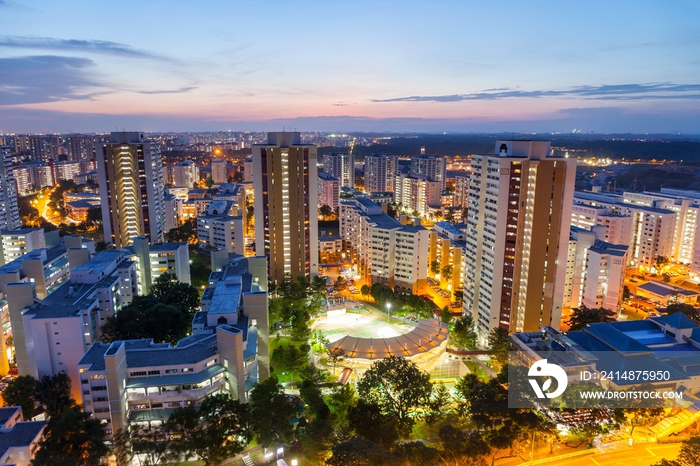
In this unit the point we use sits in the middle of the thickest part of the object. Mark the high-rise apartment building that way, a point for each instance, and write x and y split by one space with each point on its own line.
131 189
518 217
461 190
184 174
80 147
380 170
328 190
218 171
9 211
341 167
431 166
285 184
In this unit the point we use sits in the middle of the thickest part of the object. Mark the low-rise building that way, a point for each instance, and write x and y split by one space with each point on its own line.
216 228
19 439
16 243
154 260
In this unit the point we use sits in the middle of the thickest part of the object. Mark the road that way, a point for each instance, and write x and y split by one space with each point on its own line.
638 455
645 454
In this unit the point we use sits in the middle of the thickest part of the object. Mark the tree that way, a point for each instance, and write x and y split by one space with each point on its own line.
440 399
185 233
365 290
499 344
445 315
94 216
146 317
661 261
71 438
53 392
582 316
325 211
168 290
463 334
209 182
341 399
689 311
335 356
20 392
398 388
271 412
418 453
447 272
625 293
369 422
435 267
153 443
313 398
218 429
360 452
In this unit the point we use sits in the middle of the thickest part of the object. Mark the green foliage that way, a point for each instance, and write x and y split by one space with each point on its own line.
154 444
185 233
53 392
209 182
418 453
447 272
317 438
625 293
365 290
398 388
218 429
290 357
690 312
369 422
446 315
435 267
20 392
499 344
325 211
168 290
360 452
582 316
463 334
440 400
313 398
146 317
340 400
71 438
271 412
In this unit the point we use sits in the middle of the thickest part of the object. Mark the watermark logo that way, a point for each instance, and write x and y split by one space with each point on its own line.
553 371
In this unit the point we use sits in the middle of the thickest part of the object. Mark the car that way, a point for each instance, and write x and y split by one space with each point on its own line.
633 280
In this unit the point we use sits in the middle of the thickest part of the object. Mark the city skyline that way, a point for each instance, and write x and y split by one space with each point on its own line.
454 66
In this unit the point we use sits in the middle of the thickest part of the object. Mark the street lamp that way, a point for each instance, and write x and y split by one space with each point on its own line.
388 311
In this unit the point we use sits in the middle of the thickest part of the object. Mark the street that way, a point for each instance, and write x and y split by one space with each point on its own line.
643 454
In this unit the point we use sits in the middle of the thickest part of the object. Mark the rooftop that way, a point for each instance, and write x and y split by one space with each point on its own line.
21 435
327 176
384 221
100 261
665 290
608 248
226 297
68 300
170 246
7 412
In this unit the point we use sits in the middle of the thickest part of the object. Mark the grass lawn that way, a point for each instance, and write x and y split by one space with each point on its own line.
476 369
282 373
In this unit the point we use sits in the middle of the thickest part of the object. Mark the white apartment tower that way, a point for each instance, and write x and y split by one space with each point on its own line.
515 261
380 170
9 211
431 166
285 180
341 167
131 189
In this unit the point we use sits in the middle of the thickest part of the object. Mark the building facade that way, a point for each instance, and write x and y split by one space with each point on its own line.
285 186
131 188
380 171
341 167
520 201
9 211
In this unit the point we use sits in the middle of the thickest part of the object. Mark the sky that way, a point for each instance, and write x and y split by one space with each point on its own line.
402 66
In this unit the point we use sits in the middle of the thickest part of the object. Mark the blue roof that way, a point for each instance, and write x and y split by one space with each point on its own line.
650 337
616 339
664 290
677 320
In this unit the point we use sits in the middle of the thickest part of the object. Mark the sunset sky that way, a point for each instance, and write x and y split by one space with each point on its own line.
468 66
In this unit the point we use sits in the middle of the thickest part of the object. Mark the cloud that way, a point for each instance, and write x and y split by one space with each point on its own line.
92 46
649 91
171 91
46 78
340 105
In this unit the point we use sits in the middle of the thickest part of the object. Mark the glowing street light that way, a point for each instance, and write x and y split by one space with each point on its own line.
388 310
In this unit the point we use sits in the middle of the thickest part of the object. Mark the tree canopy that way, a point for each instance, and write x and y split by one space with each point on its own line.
20 392
398 388
146 317
218 429
582 316
272 412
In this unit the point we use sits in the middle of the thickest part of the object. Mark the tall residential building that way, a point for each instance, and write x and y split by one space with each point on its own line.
417 193
461 190
341 167
285 184
9 211
131 189
218 171
328 190
185 174
43 147
518 217
380 170
431 166
80 147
